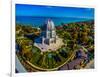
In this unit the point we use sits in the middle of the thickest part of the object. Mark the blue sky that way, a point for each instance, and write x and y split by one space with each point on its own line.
53 11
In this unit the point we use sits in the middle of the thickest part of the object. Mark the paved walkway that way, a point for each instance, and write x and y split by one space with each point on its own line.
52 46
19 66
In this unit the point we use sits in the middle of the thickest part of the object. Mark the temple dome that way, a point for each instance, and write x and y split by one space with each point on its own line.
50 24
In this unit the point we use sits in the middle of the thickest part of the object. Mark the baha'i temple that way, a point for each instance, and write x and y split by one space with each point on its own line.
49 39
49 34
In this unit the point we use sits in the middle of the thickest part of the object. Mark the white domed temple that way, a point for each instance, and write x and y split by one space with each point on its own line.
49 39
49 36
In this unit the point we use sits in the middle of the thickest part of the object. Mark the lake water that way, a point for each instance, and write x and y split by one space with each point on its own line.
39 21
